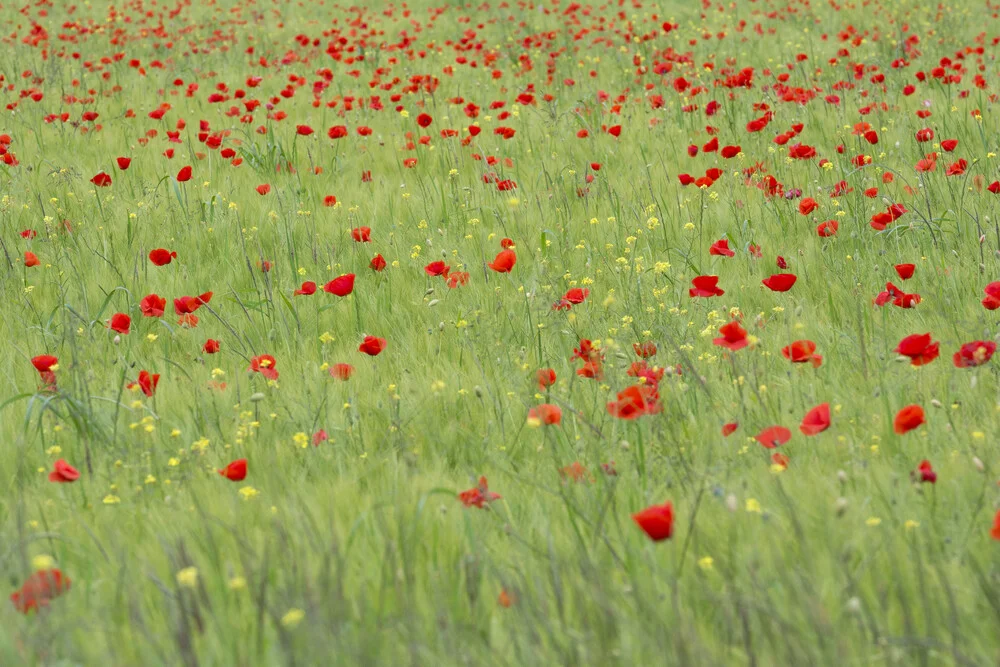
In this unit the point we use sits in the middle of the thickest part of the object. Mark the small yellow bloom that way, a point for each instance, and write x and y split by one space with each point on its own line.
188 577
706 562
111 499
237 584
249 492
42 562
753 505
292 618
873 521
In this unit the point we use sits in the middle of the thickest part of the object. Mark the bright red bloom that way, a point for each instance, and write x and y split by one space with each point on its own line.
438 268
372 346
161 256
546 413
188 304
265 365
263 189
780 282
340 286
121 323
729 429
995 531
816 420
919 348
123 162
63 473
362 234
211 346
802 351
303 130
807 205
479 495
773 436
101 180
576 295
458 278
341 372
184 174
44 363
905 271
423 120
734 337
880 221
39 589
504 261
924 473
992 300
377 263
828 228
147 382
976 353
645 349
506 243
31 259
152 305
908 419
635 401
235 471
721 247
705 286
546 378
656 521
308 288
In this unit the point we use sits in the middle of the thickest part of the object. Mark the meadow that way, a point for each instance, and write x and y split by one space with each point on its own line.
506 333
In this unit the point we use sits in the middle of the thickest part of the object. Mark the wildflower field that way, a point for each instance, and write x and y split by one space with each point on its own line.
500 333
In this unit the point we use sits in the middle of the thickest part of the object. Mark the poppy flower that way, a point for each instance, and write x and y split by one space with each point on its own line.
63 473
423 120
546 378
657 521
816 420
303 130
919 348
101 180
479 495
184 175
211 346
123 162
308 288
995 531
31 259
458 278
634 402
337 132
39 589
645 349
437 268
721 247
341 372
377 263
773 436
905 271
575 472
152 305
263 189
44 364
372 346
506 243
340 286
147 382
236 471
924 473
319 436
828 228
802 351
161 256
976 353
880 221
780 282
504 261
189 304
992 300
729 429
121 323
807 205
265 365
908 419
362 234
734 337
546 413
705 286
576 295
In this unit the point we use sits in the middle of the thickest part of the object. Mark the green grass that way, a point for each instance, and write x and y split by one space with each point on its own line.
358 551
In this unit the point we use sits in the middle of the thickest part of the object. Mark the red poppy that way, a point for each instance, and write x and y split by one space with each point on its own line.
152 305
506 243
992 300
773 436
184 174
657 521
479 495
976 353
828 228
43 364
546 413
807 205
318 437
372 346
341 371
123 162
236 471
39 589
147 382
303 130
377 263
574 472
908 419
802 351
546 378
263 189
634 402
995 531
458 278
31 259
816 420
651 374
705 286
211 346
438 268
340 286
729 152
919 348
504 261
780 282
646 349
734 337
161 256
729 429
121 323
189 304
308 288
423 120
265 365
924 473
362 234
337 132
880 221
101 180
576 295
721 247
63 473
905 271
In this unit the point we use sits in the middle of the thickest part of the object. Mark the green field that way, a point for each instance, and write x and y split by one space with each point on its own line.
280 282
